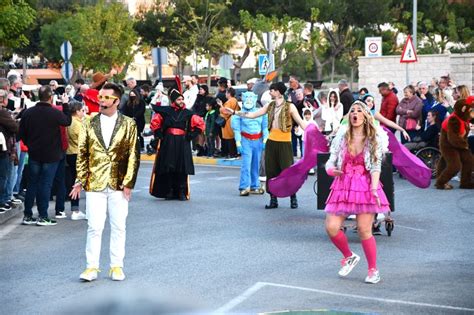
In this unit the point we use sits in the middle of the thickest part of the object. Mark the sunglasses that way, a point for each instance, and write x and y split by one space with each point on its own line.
107 97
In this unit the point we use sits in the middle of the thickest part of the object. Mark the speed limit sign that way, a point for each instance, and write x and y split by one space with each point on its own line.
373 46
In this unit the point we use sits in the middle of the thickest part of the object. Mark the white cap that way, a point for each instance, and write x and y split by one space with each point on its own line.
252 81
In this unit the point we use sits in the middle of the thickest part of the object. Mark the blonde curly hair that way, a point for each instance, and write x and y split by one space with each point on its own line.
369 130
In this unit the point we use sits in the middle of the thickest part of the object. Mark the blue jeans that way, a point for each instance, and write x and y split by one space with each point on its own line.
60 184
5 170
21 165
40 181
251 154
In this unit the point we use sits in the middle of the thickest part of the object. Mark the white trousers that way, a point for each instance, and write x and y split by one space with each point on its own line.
97 205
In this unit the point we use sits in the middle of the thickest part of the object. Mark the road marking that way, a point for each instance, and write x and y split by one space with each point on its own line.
259 285
225 178
241 298
194 181
410 228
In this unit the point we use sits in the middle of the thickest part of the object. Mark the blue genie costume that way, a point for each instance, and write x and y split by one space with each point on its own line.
250 137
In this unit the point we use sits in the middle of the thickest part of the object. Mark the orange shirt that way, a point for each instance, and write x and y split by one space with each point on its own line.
227 132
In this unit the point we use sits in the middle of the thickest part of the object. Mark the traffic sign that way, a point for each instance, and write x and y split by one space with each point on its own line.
409 51
265 65
162 52
67 71
66 50
373 46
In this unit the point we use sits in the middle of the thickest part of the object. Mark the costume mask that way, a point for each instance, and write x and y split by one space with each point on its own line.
249 100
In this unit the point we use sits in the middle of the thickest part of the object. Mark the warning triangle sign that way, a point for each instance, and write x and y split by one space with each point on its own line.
409 52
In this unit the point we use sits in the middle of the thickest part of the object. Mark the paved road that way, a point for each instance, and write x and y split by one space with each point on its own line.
223 252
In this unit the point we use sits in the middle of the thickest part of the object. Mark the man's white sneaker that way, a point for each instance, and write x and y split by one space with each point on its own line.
78 215
373 276
348 264
116 273
90 274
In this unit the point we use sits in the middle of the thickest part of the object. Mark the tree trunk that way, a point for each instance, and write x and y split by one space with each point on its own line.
238 65
333 61
209 64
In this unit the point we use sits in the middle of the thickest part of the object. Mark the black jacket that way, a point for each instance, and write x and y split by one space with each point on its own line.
9 127
346 99
199 107
39 130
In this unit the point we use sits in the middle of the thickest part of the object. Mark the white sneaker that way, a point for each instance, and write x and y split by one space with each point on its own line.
311 171
348 264
90 274
78 215
373 276
116 273
61 215
351 217
262 178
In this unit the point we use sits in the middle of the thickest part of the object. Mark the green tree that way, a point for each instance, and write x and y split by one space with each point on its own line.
102 37
160 27
287 35
16 16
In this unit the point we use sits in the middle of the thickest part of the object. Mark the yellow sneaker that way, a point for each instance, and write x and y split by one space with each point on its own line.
116 273
89 274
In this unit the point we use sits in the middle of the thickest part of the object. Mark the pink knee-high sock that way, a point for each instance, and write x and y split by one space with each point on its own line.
340 241
370 249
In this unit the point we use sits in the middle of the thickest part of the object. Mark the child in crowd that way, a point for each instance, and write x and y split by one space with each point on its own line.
210 121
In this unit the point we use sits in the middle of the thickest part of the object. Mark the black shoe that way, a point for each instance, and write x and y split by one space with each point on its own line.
46 222
376 230
29 221
182 195
293 202
170 196
6 206
273 203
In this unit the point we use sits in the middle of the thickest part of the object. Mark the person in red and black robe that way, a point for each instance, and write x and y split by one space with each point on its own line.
175 127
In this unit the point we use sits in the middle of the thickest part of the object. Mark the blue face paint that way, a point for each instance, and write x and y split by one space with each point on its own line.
249 101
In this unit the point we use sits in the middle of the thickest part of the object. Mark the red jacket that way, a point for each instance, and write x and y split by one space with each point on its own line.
389 106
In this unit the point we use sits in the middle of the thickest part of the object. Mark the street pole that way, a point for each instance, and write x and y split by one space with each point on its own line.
270 50
414 22
160 78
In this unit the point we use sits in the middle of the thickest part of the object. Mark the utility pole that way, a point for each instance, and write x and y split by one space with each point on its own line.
414 22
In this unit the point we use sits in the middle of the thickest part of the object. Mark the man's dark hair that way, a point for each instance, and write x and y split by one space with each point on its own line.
231 91
112 86
195 76
79 81
146 87
45 93
279 86
383 85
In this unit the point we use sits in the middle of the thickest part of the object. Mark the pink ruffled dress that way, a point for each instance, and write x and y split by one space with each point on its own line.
350 192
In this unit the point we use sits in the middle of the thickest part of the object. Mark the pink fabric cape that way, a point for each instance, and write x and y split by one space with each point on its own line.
291 179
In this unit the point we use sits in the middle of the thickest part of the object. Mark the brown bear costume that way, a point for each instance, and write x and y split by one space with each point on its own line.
454 147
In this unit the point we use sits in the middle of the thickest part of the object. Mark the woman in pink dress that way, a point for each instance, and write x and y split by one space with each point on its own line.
355 162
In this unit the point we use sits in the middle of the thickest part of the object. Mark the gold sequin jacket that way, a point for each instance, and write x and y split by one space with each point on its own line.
115 167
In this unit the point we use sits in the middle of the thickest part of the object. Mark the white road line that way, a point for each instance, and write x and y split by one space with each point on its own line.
194 181
225 178
241 298
259 285
409 228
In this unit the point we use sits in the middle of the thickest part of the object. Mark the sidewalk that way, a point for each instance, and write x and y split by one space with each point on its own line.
198 160
7 215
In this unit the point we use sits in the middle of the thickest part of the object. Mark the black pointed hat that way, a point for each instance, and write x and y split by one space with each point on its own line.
176 90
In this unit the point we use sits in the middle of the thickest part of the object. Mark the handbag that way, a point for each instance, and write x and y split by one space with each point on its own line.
220 121
410 124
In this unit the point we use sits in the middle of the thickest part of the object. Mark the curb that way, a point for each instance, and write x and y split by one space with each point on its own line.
7 215
202 160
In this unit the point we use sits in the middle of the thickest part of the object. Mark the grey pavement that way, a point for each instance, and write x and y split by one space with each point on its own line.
225 253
